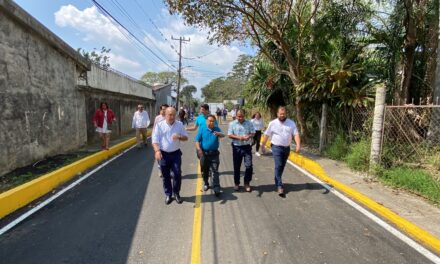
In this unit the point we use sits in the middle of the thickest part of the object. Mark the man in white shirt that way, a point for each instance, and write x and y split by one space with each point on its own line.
281 131
166 140
141 121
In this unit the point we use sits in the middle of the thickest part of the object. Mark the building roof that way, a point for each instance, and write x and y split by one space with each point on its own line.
161 86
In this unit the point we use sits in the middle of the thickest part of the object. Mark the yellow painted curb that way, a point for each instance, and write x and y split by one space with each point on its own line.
409 228
24 194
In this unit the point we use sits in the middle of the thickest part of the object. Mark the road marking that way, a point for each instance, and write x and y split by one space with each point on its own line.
58 194
410 242
197 224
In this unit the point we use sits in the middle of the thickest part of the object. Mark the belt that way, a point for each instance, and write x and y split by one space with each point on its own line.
279 146
210 152
172 152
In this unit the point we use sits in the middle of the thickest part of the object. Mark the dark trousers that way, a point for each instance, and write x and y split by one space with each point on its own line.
211 161
280 155
257 139
171 161
238 154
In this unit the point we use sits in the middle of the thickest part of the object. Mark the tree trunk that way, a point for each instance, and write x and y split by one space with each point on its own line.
323 127
300 119
376 137
432 43
409 52
434 125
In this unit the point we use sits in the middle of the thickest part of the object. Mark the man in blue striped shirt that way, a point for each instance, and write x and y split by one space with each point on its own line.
166 143
241 131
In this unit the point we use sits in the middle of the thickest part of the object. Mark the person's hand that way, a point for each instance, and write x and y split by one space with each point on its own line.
175 137
263 148
297 150
216 133
158 155
199 153
246 138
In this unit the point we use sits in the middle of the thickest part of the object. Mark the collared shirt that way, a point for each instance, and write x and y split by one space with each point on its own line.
201 121
258 123
163 133
140 120
281 132
207 139
241 129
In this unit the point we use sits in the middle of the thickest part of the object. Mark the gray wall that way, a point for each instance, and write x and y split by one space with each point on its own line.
123 107
42 112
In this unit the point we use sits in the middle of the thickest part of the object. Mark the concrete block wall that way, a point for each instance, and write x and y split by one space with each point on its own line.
42 112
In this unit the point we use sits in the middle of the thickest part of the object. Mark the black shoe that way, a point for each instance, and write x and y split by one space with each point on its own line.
178 199
168 200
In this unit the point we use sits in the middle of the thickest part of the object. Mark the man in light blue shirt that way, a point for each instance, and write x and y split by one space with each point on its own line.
166 143
201 118
241 132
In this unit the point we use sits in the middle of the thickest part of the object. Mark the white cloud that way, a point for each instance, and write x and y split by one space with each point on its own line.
89 21
97 30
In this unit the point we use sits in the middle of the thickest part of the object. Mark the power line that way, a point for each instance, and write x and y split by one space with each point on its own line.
102 9
155 26
125 13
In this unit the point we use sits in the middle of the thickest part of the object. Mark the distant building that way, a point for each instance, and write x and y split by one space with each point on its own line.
162 94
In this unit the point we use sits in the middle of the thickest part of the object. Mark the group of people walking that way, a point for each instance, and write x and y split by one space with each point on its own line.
168 135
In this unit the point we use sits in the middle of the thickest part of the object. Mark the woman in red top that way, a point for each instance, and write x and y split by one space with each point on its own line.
102 120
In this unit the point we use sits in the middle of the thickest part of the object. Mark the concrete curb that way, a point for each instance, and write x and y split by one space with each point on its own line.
24 194
404 225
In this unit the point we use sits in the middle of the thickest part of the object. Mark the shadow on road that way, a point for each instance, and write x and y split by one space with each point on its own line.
289 187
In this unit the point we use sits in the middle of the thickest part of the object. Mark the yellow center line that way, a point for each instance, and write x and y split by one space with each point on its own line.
197 224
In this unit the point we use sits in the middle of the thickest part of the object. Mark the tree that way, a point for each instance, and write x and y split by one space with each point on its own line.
100 59
282 30
164 77
187 92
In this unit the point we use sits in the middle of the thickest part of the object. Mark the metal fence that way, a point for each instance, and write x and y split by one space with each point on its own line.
411 137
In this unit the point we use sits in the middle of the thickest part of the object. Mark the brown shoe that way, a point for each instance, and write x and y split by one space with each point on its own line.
280 190
248 188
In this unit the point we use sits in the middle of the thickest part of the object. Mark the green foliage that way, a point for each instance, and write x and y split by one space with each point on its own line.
230 87
416 180
100 58
163 77
338 149
358 157
187 93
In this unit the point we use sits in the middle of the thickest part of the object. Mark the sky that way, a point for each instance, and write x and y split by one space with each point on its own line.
82 25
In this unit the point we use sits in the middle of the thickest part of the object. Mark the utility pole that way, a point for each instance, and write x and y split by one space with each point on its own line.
179 71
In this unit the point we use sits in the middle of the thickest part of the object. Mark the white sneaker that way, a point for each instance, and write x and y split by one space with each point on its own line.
257 154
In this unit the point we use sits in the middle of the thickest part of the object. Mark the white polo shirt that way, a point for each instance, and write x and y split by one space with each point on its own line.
140 120
163 133
281 132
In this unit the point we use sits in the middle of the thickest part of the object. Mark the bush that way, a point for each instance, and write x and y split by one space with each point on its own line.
416 180
337 149
358 157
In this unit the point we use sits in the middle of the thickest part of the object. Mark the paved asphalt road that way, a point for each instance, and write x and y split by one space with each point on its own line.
118 215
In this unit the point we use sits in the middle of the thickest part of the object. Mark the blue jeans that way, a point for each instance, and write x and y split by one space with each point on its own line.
238 154
171 161
280 155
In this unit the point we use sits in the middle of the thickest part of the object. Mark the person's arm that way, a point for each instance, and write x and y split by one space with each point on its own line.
266 136
192 128
148 118
95 119
298 143
133 123
183 136
219 133
155 140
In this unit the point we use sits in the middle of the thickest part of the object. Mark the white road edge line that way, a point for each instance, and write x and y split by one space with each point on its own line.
410 242
58 194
